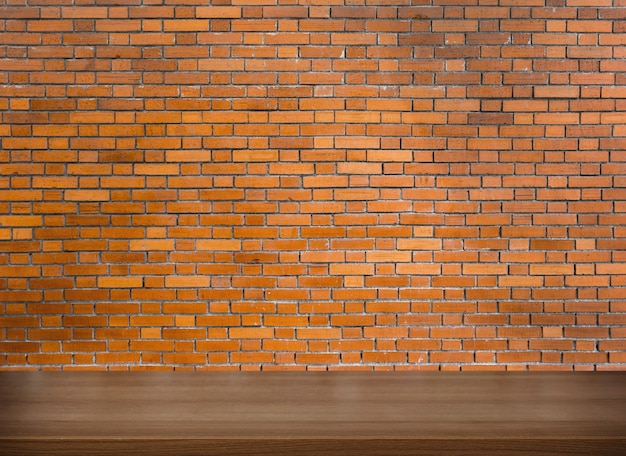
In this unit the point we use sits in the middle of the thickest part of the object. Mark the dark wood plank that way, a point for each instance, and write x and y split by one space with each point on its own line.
314 413
317 447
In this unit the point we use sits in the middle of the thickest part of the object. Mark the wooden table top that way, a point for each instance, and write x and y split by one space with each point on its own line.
313 413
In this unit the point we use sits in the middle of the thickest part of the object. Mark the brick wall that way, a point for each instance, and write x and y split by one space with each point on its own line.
321 184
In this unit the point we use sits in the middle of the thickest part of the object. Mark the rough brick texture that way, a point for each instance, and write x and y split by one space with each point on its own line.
313 184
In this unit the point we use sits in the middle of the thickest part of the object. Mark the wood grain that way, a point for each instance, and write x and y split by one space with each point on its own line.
313 413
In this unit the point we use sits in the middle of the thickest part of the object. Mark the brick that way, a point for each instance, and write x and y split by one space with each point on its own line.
313 186
556 92
351 269
218 12
251 333
353 39
120 282
386 257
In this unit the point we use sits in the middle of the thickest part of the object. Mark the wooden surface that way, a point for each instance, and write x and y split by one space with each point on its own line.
314 413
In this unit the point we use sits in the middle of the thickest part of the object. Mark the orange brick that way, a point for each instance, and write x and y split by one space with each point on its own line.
313 187
120 282
251 333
